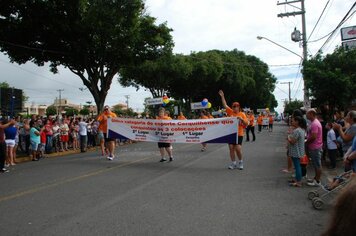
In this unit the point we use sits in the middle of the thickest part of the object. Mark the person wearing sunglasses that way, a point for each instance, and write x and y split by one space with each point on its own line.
235 148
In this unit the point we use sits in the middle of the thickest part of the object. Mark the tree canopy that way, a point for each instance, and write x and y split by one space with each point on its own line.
200 75
92 38
331 79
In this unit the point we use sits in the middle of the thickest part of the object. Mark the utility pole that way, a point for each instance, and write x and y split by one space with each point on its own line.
60 99
127 101
306 101
289 94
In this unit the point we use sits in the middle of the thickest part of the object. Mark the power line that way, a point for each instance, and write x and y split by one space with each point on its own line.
322 13
344 19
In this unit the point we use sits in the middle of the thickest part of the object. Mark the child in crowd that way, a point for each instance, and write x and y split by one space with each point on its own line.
331 145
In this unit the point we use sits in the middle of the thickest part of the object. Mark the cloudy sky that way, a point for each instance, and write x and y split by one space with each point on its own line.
201 25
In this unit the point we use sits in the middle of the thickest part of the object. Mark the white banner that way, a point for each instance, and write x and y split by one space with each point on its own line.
154 101
221 130
197 105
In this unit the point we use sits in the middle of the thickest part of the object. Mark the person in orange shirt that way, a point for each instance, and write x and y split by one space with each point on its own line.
103 128
259 122
162 115
235 111
270 119
203 115
181 116
209 115
250 127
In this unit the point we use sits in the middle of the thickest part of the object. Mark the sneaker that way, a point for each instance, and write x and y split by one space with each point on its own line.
163 160
171 159
241 165
4 170
203 149
314 183
110 158
232 166
7 165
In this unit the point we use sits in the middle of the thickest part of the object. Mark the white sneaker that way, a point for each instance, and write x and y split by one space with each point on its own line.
110 158
241 165
314 183
232 166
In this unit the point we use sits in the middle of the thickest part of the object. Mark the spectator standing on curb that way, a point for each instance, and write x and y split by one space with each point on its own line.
49 136
56 136
314 145
35 140
83 134
3 126
331 145
10 135
297 147
64 136
347 135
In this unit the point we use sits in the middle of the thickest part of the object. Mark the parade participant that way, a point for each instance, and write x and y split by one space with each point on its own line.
314 144
3 126
251 126
233 147
296 147
204 116
103 127
181 116
164 146
270 123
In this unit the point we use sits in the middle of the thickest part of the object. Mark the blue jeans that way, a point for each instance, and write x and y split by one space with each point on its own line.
49 144
298 169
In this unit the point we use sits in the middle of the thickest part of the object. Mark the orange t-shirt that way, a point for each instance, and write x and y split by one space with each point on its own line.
204 117
103 121
251 119
164 118
181 118
259 120
241 128
271 119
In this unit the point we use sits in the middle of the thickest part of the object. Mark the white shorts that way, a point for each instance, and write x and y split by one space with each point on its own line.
10 142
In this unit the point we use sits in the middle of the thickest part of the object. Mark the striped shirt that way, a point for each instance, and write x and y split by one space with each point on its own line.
297 149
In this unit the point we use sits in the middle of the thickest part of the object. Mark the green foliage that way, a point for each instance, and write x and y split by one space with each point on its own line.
84 112
4 85
94 39
193 77
291 106
51 111
71 111
331 79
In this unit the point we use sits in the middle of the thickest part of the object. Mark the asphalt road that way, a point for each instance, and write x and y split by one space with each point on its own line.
196 194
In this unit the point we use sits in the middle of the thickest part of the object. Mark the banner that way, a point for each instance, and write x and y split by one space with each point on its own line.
221 130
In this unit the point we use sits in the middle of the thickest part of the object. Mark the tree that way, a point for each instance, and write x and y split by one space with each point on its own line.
93 39
291 106
331 79
191 78
71 111
84 112
51 111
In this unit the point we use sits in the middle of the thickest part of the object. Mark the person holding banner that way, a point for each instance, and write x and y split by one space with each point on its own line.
203 115
164 146
103 127
235 111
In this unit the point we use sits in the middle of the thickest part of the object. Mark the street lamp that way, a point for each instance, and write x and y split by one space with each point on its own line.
306 101
260 38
